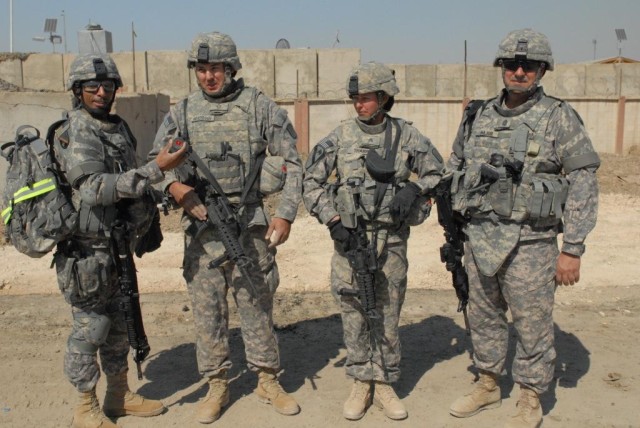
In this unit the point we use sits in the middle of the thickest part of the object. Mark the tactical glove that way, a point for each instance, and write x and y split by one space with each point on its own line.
401 203
342 235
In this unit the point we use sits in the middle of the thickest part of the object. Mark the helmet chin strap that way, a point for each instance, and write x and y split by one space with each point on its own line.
95 112
228 80
368 119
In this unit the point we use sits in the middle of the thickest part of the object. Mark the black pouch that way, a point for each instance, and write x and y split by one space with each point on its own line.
151 240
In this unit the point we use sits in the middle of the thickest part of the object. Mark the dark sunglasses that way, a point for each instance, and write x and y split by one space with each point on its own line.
93 86
527 66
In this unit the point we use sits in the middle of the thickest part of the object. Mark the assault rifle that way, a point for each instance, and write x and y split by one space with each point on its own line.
364 262
452 251
222 217
130 303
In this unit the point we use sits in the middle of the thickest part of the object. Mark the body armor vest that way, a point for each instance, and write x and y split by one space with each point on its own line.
535 190
227 139
353 146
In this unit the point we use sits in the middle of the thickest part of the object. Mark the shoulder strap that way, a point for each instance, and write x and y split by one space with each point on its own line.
185 102
390 155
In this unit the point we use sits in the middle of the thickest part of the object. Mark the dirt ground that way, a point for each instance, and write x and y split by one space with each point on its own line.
596 382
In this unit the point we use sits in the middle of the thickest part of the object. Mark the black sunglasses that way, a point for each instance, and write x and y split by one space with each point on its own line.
93 86
527 66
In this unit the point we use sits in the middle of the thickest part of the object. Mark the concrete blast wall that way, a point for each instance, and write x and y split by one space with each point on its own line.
322 73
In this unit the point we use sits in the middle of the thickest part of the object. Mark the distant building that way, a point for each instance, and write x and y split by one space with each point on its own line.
94 39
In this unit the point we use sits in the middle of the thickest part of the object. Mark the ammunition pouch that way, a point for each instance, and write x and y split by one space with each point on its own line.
345 204
272 175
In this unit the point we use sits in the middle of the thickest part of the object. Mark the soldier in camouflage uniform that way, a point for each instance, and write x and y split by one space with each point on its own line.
523 171
377 193
233 128
96 152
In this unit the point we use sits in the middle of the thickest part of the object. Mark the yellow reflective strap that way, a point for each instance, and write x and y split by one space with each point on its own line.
38 188
6 213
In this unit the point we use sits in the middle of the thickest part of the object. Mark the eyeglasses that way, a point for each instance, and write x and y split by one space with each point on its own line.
527 66
93 86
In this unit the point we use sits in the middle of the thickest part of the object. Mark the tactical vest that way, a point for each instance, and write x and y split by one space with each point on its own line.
353 146
118 148
540 191
227 139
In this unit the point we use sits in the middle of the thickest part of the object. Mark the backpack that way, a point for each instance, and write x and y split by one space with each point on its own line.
36 205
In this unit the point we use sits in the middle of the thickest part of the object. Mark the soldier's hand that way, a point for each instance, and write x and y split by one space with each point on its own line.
401 203
567 269
167 160
188 200
278 231
341 235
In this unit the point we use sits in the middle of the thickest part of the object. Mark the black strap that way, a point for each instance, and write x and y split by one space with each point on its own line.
251 179
184 116
390 154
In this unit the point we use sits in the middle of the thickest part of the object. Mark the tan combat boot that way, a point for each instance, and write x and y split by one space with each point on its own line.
529 410
210 407
120 401
385 397
485 395
270 391
88 413
359 400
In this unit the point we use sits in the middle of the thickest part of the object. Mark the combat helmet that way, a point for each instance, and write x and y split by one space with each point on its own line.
372 77
525 44
93 66
213 47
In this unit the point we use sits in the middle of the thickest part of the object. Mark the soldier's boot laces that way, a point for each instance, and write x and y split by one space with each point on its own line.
359 400
120 401
270 391
385 397
529 413
88 413
485 395
210 407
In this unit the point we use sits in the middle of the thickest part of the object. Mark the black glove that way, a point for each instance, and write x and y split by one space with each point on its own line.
401 203
342 235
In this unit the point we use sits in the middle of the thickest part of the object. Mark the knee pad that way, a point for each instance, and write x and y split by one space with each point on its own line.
90 331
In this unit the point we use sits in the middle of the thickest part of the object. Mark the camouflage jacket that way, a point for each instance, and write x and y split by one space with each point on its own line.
98 159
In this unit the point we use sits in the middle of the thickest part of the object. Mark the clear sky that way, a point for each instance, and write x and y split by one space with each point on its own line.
392 31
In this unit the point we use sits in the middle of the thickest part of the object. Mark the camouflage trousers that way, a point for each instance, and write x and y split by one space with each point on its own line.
208 289
373 346
89 283
525 284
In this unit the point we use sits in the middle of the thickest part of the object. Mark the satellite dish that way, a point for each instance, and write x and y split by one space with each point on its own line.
283 44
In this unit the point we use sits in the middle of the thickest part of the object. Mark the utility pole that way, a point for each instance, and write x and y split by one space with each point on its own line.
133 55
64 31
10 25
